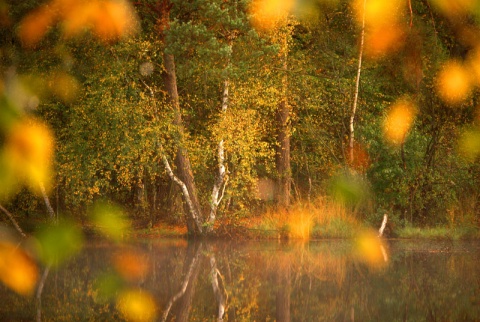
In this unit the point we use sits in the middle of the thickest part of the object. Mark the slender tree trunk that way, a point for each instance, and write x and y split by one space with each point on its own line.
182 161
50 211
357 85
283 136
220 181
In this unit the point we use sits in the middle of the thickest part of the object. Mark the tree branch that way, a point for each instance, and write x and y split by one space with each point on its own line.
50 210
15 224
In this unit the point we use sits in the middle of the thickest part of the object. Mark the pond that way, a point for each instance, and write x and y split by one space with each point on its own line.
324 280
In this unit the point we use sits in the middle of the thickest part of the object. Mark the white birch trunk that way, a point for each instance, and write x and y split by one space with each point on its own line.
382 227
50 210
357 85
186 194
220 180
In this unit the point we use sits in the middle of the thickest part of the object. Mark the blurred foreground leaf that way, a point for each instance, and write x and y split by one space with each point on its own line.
371 250
348 188
110 220
28 152
131 265
137 305
17 270
57 243
469 143
107 286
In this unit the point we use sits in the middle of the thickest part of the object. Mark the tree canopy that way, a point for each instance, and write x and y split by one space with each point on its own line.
259 114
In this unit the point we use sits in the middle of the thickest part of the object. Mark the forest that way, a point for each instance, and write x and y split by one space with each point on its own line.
214 115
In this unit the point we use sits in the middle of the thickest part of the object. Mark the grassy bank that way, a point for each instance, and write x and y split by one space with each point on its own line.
455 233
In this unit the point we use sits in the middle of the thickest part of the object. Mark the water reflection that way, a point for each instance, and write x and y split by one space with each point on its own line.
264 281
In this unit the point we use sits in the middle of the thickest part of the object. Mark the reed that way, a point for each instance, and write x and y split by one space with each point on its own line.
319 219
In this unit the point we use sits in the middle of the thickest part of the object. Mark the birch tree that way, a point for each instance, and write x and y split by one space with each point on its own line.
351 140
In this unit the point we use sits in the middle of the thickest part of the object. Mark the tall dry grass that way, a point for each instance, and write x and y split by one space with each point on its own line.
321 218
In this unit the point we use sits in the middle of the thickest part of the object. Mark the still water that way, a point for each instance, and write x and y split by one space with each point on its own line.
259 281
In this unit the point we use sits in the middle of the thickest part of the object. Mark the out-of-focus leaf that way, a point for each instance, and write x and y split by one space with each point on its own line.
469 143
455 7
384 40
35 25
378 12
398 121
348 188
57 243
454 83
28 151
63 86
110 220
131 265
17 270
107 286
137 305
371 250
9 114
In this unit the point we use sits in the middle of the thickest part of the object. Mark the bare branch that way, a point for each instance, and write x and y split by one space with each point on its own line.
15 224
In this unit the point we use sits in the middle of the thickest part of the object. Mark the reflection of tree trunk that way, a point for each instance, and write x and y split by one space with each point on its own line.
283 294
187 289
218 288
38 297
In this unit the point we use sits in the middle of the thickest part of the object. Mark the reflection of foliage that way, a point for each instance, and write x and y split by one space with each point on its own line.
326 282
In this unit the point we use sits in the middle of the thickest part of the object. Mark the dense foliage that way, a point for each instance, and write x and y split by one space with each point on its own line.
103 97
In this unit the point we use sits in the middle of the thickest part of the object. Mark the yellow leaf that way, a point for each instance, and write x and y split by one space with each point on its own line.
34 26
371 250
454 83
17 270
398 122
28 149
137 305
